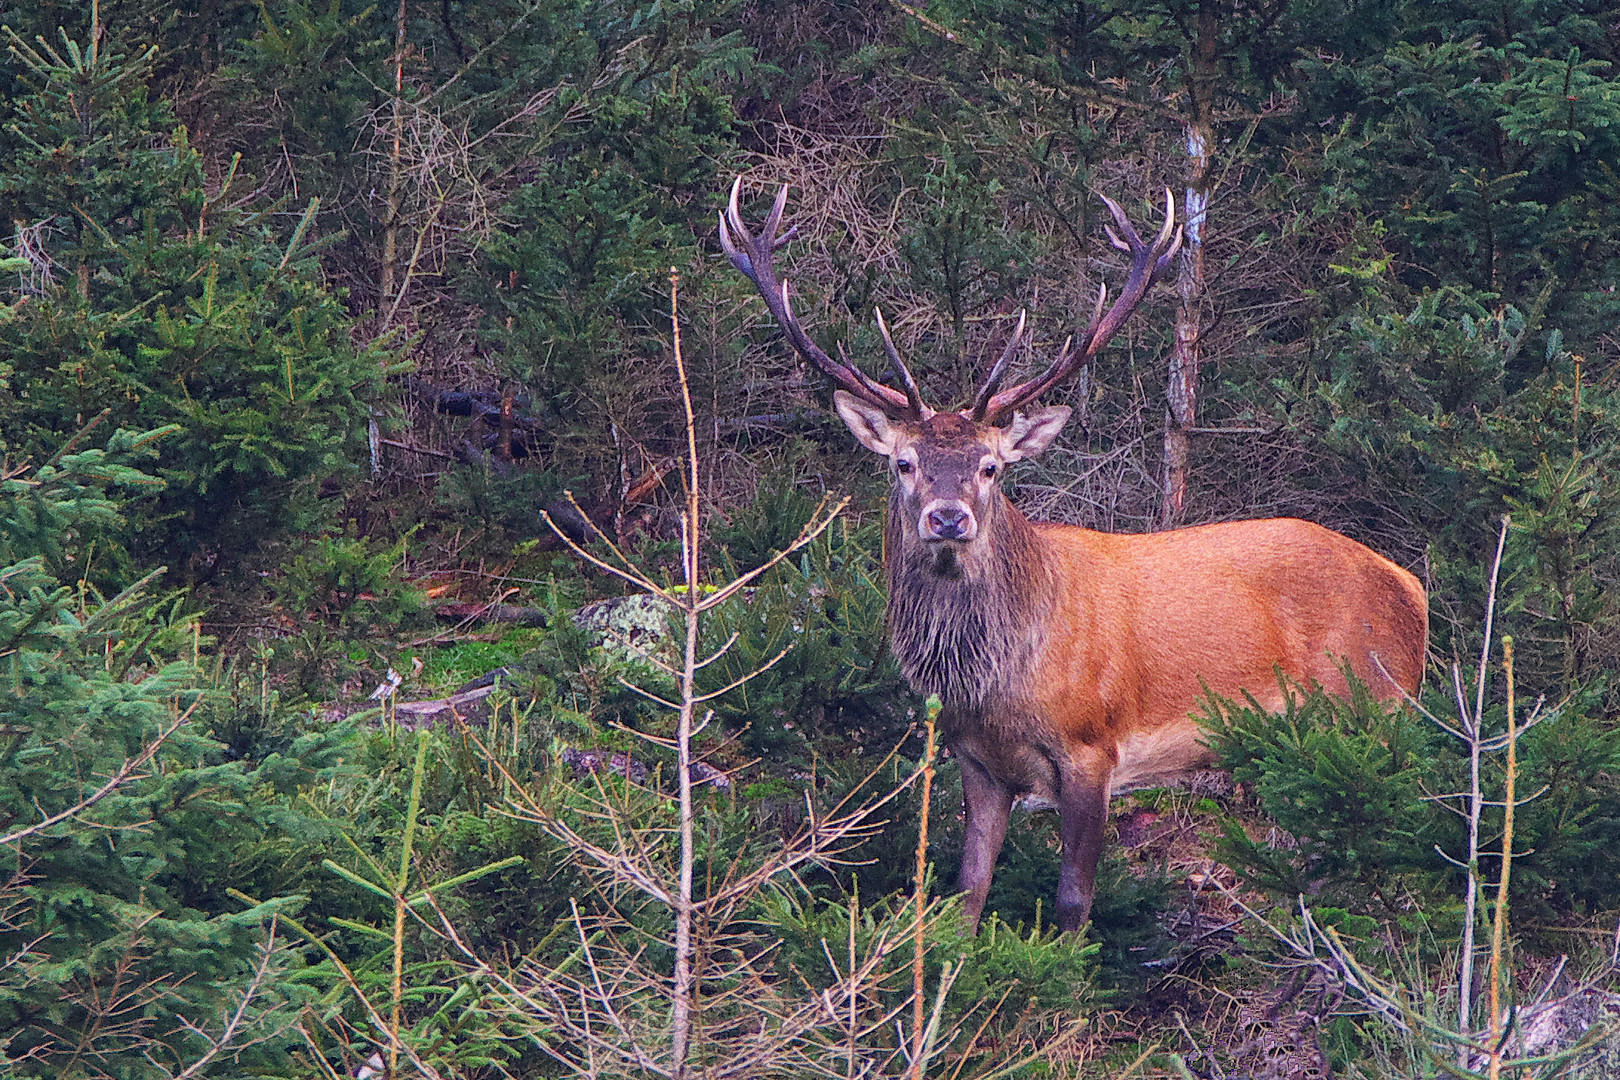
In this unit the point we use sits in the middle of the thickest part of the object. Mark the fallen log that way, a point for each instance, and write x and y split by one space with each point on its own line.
467 706
507 613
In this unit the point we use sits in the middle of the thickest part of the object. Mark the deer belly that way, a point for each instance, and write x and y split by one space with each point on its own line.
1027 769
1158 757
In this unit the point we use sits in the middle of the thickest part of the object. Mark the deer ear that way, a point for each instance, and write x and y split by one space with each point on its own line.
868 423
1030 433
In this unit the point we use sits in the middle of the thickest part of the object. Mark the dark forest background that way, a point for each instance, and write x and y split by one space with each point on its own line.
311 309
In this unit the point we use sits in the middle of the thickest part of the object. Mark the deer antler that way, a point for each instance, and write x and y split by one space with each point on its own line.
993 380
753 256
1148 264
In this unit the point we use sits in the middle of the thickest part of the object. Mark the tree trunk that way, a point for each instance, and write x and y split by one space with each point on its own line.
387 276
1181 389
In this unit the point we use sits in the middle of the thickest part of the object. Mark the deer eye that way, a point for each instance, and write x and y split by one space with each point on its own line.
903 467
989 469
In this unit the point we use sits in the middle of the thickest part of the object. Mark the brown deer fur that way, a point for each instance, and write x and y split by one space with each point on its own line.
1070 661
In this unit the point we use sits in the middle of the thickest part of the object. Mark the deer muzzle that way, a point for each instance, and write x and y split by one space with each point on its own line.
947 519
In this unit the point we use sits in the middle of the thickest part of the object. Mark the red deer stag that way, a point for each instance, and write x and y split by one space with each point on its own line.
1069 661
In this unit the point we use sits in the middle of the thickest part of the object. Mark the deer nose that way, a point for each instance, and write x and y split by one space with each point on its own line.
948 522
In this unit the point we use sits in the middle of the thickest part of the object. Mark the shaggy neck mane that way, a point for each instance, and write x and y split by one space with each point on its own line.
968 631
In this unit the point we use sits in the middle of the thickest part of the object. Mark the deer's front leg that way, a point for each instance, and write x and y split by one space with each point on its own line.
988 806
1083 805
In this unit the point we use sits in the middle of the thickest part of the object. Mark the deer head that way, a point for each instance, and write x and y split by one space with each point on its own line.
947 465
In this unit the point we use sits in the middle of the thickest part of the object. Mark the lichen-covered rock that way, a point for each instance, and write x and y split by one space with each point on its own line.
629 629
636 627
1586 1017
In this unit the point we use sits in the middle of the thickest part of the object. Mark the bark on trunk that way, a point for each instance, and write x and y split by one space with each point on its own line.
387 277
1181 390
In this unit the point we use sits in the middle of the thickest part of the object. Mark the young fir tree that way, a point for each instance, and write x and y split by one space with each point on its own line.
124 823
152 293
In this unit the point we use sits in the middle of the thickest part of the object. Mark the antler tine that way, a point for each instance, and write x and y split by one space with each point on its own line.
729 216
1133 240
1163 239
752 255
1148 262
844 373
885 395
993 380
1169 231
913 395
773 221
1167 245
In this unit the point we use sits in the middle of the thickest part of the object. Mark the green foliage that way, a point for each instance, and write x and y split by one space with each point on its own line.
1343 778
1572 826
124 897
955 250
1481 143
1126 931
570 284
162 302
459 830
444 1028
1430 405
1438 178
1030 973
463 661
1566 523
1355 785
56 519
834 688
505 503
583 263
1127 917
751 535
582 666
1021 985
345 601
